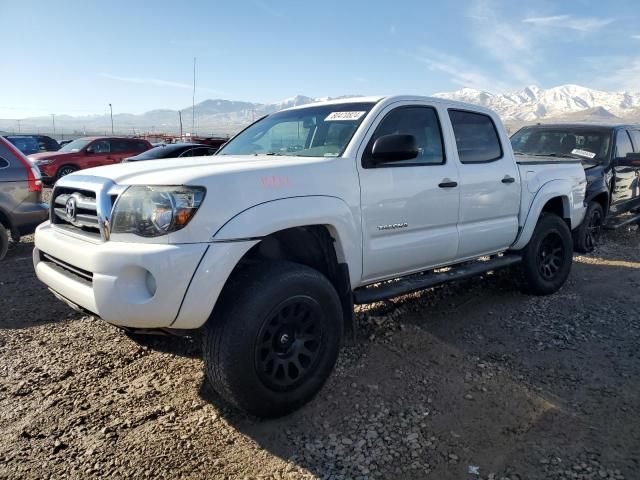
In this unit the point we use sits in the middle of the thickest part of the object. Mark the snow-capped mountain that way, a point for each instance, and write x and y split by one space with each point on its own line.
534 103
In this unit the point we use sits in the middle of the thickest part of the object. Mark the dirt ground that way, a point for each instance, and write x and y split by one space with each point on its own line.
469 381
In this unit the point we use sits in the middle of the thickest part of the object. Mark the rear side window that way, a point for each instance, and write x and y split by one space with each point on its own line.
635 138
119 146
3 163
623 144
140 147
476 137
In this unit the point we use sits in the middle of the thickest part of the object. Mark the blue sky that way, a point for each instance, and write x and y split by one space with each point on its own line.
75 57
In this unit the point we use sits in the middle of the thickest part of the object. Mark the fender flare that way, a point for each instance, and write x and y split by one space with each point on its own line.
553 189
273 216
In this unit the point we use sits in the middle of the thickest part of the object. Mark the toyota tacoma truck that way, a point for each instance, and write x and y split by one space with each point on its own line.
267 245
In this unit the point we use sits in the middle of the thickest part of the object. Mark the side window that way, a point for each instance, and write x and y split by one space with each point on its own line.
139 147
623 144
476 137
3 163
101 146
201 151
635 138
187 153
422 123
120 146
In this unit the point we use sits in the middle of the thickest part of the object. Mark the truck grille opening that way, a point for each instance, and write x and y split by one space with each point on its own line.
67 269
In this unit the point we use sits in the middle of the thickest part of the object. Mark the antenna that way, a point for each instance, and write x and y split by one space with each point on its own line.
193 100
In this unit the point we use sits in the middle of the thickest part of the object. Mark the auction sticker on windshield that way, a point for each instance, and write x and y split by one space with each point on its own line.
335 116
583 153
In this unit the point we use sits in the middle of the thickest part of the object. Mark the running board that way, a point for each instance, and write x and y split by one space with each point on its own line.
432 278
624 223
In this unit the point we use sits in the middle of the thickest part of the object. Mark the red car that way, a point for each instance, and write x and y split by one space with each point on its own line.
86 152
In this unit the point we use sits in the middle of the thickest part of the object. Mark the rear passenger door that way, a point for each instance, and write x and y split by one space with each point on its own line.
625 187
409 208
489 185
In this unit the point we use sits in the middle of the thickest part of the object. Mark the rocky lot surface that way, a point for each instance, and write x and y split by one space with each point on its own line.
468 381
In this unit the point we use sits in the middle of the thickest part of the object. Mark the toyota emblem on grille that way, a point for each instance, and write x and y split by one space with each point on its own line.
70 209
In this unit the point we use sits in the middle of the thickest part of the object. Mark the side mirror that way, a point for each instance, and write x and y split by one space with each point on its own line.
90 150
394 148
631 160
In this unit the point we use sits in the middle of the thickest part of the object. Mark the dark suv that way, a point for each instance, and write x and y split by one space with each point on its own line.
21 207
610 155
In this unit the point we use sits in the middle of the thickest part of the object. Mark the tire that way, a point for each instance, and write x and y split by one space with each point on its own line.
4 241
273 339
587 235
65 170
547 258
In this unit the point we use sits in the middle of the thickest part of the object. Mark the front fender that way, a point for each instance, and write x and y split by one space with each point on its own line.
276 215
572 197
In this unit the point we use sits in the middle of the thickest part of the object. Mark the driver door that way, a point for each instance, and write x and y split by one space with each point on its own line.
410 207
100 153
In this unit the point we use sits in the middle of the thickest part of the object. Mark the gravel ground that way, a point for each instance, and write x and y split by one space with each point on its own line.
468 381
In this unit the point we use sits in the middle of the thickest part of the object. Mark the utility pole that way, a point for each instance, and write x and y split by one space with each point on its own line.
53 119
111 109
193 100
18 125
180 116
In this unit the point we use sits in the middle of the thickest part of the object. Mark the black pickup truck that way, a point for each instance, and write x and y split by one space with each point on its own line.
610 155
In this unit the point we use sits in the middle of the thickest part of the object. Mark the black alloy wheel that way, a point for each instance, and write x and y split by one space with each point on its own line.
550 256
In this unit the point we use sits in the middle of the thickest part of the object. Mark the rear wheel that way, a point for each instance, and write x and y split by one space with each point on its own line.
65 170
587 235
274 339
4 241
547 259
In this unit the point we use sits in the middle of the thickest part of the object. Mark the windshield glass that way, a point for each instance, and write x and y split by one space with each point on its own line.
323 131
75 146
26 145
591 146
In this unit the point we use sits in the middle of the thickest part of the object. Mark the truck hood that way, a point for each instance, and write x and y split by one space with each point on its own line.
193 171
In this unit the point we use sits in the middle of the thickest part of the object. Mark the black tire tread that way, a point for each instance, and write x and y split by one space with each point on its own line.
579 234
244 284
4 241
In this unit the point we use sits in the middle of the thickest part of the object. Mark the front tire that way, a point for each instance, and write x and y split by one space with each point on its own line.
274 338
65 170
4 241
587 235
547 258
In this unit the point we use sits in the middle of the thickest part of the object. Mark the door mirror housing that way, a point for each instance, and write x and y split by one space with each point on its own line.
394 148
90 150
631 160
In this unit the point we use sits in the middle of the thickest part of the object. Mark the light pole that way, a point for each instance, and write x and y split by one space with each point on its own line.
18 125
53 120
180 116
111 110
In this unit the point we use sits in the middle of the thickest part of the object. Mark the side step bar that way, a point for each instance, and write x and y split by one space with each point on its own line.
629 220
420 281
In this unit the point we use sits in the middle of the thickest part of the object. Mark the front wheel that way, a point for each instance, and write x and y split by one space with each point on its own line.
66 170
4 241
547 258
587 235
274 338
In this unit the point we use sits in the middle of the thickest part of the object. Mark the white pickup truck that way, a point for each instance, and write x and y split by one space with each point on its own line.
267 245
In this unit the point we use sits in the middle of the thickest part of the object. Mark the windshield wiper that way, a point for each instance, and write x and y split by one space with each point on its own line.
554 154
272 153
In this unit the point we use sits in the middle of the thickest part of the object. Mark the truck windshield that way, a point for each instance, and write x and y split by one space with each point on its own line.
320 131
589 145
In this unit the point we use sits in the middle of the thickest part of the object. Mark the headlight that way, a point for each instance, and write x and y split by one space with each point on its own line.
155 211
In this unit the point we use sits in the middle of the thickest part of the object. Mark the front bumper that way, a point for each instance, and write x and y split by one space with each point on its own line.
136 285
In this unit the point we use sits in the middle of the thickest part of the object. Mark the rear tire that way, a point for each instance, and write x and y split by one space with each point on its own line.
65 170
547 258
587 235
274 337
4 241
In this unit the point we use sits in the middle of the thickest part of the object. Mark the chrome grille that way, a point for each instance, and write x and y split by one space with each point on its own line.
81 205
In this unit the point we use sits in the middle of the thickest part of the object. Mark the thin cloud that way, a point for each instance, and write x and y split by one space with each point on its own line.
156 82
636 37
580 24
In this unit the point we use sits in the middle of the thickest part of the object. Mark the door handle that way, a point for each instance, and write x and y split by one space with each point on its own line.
446 183
508 179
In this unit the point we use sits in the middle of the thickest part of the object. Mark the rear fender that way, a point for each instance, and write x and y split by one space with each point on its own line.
572 208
